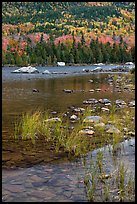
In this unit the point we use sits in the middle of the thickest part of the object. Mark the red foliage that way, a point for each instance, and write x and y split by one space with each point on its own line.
35 37
5 42
105 39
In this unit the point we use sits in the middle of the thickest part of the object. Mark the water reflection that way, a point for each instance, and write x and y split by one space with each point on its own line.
18 97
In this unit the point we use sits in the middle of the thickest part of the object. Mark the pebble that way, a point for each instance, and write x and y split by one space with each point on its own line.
105 109
67 90
98 90
100 125
92 119
131 104
131 133
86 132
53 120
91 80
112 130
79 109
91 90
35 90
104 101
73 117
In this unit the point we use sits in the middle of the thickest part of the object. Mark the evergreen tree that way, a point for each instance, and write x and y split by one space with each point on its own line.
71 58
18 60
41 38
133 53
49 60
82 38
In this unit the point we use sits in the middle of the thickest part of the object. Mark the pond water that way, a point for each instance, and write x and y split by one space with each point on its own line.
17 98
61 182
56 71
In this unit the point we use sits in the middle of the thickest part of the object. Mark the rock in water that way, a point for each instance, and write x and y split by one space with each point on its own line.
35 90
92 119
28 70
46 72
53 120
86 132
73 117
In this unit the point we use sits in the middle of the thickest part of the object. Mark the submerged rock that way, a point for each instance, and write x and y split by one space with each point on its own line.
79 109
86 132
90 80
98 90
35 90
90 101
104 101
46 72
53 112
120 102
53 120
131 133
105 109
73 117
111 129
100 125
92 119
91 90
85 70
131 104
67 90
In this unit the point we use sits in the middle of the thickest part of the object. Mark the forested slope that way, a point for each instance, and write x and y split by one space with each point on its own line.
47 32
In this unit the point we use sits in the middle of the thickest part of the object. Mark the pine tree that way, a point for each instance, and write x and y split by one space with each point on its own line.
49 61
82 38
71 58
18 60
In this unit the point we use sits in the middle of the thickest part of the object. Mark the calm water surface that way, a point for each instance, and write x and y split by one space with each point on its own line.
57 179
18 96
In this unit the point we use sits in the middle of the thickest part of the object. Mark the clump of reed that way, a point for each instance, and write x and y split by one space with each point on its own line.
102 187
35 125
28 127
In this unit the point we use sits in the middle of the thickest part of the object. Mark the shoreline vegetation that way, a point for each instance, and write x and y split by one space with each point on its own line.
106 128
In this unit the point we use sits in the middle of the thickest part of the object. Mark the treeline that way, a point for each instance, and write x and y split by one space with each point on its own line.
47 53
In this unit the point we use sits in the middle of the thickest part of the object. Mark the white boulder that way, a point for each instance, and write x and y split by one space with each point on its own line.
61 63
28 70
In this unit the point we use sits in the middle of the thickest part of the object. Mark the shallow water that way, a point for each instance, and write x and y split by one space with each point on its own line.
61 182
49 176
59 72
18 97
